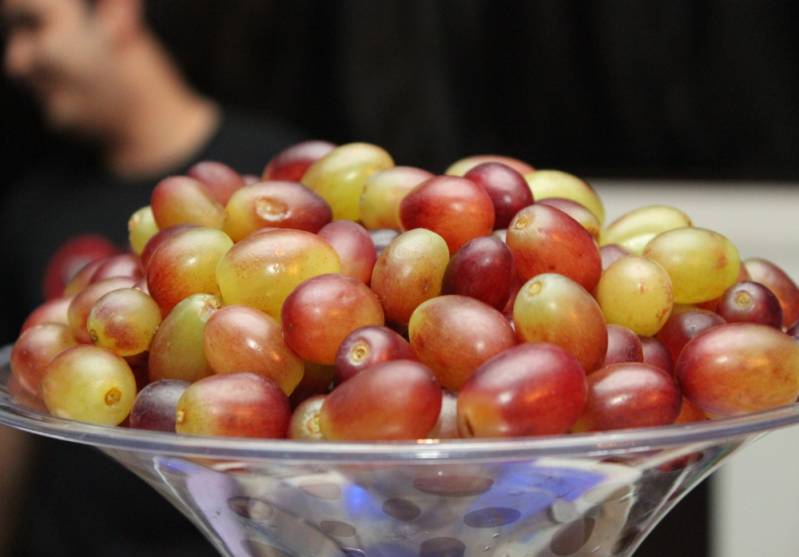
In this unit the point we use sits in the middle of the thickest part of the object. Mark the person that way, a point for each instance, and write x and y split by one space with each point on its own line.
104 79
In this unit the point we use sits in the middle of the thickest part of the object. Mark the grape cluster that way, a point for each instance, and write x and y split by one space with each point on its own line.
345 298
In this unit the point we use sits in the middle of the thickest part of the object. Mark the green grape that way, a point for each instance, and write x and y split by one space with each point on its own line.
554 183
89 384
635 292
339 176
177 350
702 264
141 227
633 230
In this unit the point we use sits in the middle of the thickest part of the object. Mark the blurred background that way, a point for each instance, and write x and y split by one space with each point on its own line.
695 99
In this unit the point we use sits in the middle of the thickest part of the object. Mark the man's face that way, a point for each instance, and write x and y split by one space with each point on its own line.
58 49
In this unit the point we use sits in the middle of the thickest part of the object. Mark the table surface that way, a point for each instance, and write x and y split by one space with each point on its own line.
755 506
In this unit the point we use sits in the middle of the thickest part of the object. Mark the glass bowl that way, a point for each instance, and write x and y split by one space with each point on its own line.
590 494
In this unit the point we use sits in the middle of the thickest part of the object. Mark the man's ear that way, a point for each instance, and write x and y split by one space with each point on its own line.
121 19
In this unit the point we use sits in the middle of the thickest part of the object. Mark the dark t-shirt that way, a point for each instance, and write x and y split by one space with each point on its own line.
80 502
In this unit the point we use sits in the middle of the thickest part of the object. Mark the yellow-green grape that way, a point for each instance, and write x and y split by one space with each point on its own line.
339 176
636 292
409 271
89 384
554 308
383 192
634 230
141 227
554 183
702 264
124 321
177 350
264 268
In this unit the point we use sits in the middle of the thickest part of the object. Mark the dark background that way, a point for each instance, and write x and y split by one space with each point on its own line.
684 89
618 88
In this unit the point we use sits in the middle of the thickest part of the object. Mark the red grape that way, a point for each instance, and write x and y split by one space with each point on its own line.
383 193
82 303
531 389
183 200
545 240
682 326
354 247
481 269
456 208
656 354
610 253
586 218
750 302
122 265
51 311
367 346
775 279
34 349
628 395
389 401
235 405
623 346
219 179
156 405
454 335
507 189
322 311
462 166
291 163
155 242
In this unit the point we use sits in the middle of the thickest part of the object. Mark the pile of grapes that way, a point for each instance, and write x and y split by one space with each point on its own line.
340 297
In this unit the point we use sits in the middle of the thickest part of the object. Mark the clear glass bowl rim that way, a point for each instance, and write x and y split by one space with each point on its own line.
619 442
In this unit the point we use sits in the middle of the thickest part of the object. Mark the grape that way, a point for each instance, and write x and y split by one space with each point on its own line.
239 338
34 349
383 192
634 230
323 310
629 395
81 279
656 354
122 265
51 311
447 425
610 253
82 303
713 304
576 211
702 264
367 346
794 331
636 293
462 166
684 325
304 424
183 200
262 270
532 389
354 247
738 368
340 175
545 240
21 395
89 384
454 335
274 204
689 413
554 183
455 208
555 309
156 405
219 179
505 186
177 350
141 227
623 346
751 302
775 279
124 321
155 242
389 401
293 162
408 272
482 269
234 405
382 238
186 264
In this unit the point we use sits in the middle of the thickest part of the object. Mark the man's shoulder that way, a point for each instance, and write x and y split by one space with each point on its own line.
247 141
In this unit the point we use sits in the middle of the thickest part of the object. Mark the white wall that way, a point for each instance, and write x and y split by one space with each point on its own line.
755 507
